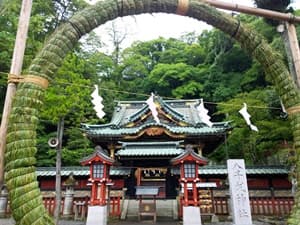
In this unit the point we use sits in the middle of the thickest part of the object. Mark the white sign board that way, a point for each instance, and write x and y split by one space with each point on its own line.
191 215
239 195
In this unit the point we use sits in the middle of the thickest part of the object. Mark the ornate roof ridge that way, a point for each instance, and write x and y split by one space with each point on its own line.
86 126
176 143
165 100
110 129
137 114
165 104
118 115
169 109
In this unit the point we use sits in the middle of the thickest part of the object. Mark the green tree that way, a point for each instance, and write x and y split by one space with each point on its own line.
255 147
46 15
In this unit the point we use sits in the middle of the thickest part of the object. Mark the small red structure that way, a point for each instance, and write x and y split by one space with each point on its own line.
100 164
189 162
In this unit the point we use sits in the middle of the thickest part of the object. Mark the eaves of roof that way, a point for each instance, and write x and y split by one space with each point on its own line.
94 130
150 152
250 170
78 171
205 170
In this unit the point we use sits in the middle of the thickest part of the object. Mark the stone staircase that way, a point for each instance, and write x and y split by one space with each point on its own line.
166 209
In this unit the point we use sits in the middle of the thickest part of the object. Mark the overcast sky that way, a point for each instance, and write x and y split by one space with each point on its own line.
151 26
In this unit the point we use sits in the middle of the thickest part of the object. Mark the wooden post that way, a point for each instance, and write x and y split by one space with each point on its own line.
294 49
15 69
60 128
253 11
138 176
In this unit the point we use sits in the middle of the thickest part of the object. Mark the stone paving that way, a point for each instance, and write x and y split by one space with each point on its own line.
134 222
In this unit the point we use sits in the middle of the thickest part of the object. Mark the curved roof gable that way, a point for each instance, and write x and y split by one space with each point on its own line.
98 155
183 111
189 155
178 117
164 110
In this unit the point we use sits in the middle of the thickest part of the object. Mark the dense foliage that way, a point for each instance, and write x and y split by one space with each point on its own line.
210 66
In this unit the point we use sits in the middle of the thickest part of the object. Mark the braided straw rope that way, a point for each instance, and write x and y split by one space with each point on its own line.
183 7
40 81
293 110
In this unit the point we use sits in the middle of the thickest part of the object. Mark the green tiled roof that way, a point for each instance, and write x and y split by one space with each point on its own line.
165 107
150 149
180 110
250 170
78 171
170 110
98 131
205 170
149 152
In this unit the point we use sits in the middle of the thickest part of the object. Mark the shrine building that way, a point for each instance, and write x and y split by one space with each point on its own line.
143 147
140 155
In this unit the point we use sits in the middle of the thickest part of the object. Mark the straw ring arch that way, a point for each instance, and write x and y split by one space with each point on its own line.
26 202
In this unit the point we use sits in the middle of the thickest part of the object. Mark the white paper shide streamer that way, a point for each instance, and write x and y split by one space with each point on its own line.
203 114
246 117
152 107
97 102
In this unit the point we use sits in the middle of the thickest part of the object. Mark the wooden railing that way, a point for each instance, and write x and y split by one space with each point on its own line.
278 206
115 206
80 206
273 206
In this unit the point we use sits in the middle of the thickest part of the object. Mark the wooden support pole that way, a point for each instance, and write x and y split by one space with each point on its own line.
60 131
254 11
16 67
294 49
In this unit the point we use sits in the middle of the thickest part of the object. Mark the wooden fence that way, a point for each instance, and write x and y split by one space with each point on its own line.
80 206
272 206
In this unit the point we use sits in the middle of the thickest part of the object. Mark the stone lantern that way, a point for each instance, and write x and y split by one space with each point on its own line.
99 163
69 184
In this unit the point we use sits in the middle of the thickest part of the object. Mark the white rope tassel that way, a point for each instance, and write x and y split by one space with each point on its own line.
203 114
97 102
152 107
246 117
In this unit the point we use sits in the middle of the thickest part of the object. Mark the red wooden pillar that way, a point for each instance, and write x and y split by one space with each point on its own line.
185 195
93 194
195 195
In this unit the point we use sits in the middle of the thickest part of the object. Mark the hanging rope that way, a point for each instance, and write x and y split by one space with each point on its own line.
40 81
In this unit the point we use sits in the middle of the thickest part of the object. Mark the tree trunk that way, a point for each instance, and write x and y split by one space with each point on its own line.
60 130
